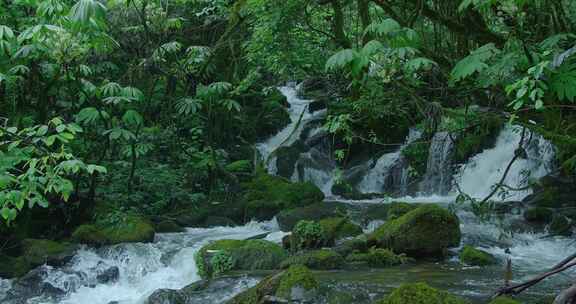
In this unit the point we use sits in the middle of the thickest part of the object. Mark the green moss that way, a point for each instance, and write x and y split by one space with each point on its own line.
338 228
427 230
377 258
287 219
240 166
504 300
398 209
417 156
11 267
317 259
295 276
420 293
274 194
132 230
168 227
475 257
37 252
538 215
357 244
309 235
244 254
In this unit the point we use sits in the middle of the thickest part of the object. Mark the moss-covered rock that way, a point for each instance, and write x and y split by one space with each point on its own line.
168 226
317 259
12 267
539 215
267 195
309 235
426 231
38 252
377 257
132 230
560 225
420 293
270 115
504 300
476 257
286 158
223 255
218 221
338 227
355 245
294 285
398 209
287 219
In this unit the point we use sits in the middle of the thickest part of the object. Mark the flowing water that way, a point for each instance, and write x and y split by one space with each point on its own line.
168 262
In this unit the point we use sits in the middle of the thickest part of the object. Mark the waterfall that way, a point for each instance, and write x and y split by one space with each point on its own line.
478 177
438 177
299 118
390 171
168 262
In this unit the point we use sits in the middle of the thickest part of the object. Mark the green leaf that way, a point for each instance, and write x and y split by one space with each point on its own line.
372 47
341 59
95 168
186 106
132 117
6 33
84 10
384 27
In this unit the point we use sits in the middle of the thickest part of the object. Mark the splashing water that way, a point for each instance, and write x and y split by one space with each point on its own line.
143 268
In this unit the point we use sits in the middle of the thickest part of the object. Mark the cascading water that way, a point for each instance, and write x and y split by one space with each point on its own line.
478 177
299 118
390 172
142 268
438 177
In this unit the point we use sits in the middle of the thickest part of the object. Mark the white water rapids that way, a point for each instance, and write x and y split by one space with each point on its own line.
168 262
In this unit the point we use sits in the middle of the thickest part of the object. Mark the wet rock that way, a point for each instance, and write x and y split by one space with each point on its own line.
420 293
132 230
168 226
476 257
377 258
347 247
109 275
337 228
222 256
317 259
560 225
38 252
296 284
32 285
426 231
166 296
218 221
287 219
287 158
539 215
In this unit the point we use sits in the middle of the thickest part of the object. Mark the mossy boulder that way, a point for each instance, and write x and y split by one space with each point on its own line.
560 225
132 229
38 252
353 245
377 258
504 300
168 226
267 195
398 209
12 267
243 166
224 255
337 228
287 219
539 215
426 231
294 285
317 259
218 221
309 235
420 293
287 158
476 257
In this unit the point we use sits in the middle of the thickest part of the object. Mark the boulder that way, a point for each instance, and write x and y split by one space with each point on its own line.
476 257
294 285
267 195
225 255
426 231
539 215
38 252
560 225
12 267
132 230
218 221
337 228
353 245
287 219
420 293
377 258
109 275
317 259
168 226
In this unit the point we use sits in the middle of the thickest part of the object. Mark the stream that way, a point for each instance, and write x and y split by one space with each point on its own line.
168 262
